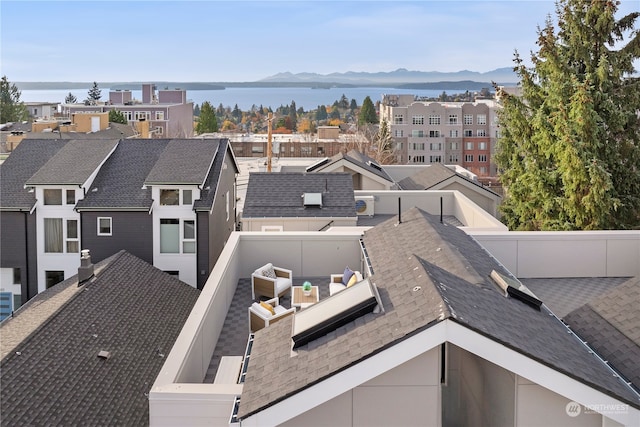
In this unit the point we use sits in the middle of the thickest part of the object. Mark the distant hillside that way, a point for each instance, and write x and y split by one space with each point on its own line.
399 76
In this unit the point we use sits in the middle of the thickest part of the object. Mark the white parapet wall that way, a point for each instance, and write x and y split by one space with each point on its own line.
541 254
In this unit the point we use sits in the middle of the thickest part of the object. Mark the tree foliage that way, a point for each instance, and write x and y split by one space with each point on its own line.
11 108
93 95
116 116
207 121
383 145
569 149
367 112
70 99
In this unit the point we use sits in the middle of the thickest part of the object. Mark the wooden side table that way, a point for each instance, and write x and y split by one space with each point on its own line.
300 300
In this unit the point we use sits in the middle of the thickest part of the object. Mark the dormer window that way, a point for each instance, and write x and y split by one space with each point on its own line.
52 196
170 197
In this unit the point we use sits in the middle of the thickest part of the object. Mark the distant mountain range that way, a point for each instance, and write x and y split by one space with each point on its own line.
399 79
400 76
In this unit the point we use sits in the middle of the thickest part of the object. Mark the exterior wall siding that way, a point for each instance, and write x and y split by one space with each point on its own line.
18 250
132 231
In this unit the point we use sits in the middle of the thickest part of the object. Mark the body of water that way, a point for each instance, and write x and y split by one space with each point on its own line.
307 98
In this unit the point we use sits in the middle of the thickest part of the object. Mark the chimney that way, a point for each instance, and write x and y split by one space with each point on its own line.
85 271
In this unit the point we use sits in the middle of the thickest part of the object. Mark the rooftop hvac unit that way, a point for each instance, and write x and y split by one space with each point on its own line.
364 205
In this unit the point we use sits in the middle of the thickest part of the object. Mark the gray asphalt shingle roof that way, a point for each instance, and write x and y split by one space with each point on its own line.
611 325
356 158
53 376
119 184
208 191
27 158
452 272
280 195
433 175
184 161
74 163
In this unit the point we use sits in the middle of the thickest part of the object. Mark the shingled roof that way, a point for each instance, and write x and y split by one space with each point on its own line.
50 370
74 163
119 184
435 174
355 158
426 273
184 161
27 158
280 195
208 191
611 325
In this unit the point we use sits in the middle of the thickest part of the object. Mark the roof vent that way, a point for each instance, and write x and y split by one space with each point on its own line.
513 288
85 271
104 354
374 165
312 199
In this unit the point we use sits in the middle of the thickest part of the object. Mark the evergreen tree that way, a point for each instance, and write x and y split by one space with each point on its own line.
70 99
321 113
93 95
11 108
196 110
353 105
569 150
116 116
236 113
207 123
344 102
367 112
335 112
293 115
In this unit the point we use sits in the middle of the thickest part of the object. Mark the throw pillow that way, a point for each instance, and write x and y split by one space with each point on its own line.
352 281
268 271
346 276
268 307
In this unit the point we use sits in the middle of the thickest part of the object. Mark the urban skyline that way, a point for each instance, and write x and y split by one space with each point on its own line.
248 41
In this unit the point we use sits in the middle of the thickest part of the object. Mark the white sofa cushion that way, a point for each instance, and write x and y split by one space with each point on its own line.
282 283
261 310
335 287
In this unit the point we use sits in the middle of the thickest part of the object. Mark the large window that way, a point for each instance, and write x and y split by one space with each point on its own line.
104 226
53 235
53 278
468 119
169 236
169 197
417 133
189 237
73 244
434 119
52 196
481 119
418 120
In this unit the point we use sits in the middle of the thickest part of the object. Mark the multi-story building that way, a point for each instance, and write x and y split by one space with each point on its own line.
457 133
167 112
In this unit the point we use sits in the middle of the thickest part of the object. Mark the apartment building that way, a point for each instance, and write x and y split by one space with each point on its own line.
164 113
457 133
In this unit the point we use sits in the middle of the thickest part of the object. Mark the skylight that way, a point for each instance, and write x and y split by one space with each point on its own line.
513 288
312 199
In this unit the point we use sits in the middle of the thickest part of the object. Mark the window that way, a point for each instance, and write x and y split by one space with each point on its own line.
418 146
71 197
482 145
418 159
468 132
481 132
16 276
128 115
53 278
453 158
169 197
468 157
257 149
169 236
468 119
435 159
73 244
483 170
482 157
104 226
53 235
497 133
435 146
417 133
468 146
434 119
187 197
305 151
453 119
52 197
159 130
454 145
159 115
189 237
417 120
481 119
434 134
398 119
6 298
142 115
453 133
399 133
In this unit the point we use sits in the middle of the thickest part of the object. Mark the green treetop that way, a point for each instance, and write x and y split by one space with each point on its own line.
11 108
207 122
569 150
367 112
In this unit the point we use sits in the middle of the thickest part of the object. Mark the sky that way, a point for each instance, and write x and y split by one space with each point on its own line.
245 41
